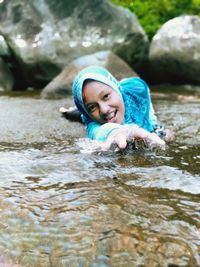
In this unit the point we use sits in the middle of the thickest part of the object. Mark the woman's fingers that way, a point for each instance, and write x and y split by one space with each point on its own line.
137 133
154 137
121 136
169 135
119 139
155 140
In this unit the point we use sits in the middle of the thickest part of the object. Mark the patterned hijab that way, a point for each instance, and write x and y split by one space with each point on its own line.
134 91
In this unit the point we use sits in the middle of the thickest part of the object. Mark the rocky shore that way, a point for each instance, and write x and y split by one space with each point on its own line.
44 43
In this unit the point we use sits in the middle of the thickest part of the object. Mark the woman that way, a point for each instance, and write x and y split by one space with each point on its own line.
113 111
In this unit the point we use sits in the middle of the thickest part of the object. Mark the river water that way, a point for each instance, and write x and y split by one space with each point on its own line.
61 205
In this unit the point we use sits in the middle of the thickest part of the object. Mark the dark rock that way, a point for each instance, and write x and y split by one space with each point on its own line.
6 78
175 51
62 84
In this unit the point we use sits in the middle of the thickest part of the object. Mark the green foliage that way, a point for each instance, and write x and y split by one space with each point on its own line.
153 14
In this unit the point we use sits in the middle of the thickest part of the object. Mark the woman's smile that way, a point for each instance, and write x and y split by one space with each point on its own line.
103 103
110 117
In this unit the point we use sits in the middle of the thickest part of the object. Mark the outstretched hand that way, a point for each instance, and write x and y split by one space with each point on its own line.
123 135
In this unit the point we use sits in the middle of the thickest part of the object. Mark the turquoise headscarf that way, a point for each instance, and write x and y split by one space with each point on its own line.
95 73
134 91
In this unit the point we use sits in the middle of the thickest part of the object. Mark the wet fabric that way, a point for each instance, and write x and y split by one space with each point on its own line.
135 94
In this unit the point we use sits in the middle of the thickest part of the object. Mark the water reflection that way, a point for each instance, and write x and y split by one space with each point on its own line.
61 207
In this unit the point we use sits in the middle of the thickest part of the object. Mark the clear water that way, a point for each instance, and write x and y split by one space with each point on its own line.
61 205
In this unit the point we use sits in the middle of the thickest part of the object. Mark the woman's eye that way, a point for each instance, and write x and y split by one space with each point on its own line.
91 108
106 96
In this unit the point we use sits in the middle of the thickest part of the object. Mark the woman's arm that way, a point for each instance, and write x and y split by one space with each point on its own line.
100 132
110 133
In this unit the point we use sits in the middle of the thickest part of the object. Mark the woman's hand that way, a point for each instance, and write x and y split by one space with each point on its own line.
127 133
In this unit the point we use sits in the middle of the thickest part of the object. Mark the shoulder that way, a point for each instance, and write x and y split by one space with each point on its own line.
133 85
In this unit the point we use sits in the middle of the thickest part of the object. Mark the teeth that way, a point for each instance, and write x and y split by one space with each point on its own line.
110 116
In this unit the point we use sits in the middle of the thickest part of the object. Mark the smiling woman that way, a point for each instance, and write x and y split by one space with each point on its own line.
113 111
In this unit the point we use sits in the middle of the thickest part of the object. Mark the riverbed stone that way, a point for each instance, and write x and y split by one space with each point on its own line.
46 35
61 85
175 51
5 260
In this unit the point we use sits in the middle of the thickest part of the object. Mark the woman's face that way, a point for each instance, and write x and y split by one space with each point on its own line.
103 103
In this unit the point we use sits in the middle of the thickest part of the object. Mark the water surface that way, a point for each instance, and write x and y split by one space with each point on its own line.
61 205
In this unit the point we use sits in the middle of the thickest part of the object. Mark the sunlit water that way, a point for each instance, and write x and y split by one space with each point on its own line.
62 205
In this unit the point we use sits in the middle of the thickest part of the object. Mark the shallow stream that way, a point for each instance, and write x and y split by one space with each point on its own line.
61 205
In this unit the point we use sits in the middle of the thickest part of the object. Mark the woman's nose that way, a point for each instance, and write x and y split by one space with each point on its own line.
103 107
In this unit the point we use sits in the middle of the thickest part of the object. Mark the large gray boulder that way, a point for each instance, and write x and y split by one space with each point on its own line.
46 35
175 51
61 85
